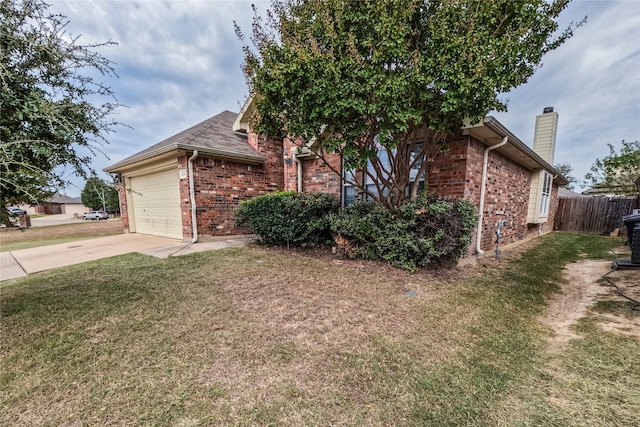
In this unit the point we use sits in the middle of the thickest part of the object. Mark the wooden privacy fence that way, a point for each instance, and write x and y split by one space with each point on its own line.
593 215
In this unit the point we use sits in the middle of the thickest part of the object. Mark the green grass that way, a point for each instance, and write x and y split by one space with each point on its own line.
254 337
14 239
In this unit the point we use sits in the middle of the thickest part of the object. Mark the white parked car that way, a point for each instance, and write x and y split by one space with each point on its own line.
95 215
16 211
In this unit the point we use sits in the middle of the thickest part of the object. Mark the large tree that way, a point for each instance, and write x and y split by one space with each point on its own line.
54 118
98 194
618 172
383 82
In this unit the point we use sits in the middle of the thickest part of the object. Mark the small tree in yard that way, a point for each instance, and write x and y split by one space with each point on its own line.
618 171
566 169
48 89
383 82
99 194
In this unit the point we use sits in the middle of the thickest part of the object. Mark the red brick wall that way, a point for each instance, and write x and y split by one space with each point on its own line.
507 192
317 176
273 167
220 185
447 173
124 212
458 173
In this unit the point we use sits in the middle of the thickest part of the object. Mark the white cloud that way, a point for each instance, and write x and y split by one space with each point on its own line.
179 63
593 81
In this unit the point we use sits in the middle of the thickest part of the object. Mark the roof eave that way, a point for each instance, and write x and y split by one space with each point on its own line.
254 159
498 128
115 168
236 157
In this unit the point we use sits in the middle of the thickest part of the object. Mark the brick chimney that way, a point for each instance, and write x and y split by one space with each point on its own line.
544 139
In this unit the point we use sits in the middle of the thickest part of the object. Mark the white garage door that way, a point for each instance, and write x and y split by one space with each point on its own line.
156 204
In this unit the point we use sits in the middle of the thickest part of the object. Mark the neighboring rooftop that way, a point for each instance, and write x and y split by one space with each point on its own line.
568 194
63 199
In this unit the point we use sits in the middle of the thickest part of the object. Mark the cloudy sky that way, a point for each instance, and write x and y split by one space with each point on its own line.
179 63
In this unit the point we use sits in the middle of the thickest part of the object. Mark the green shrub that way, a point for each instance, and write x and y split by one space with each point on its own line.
429 231
288 217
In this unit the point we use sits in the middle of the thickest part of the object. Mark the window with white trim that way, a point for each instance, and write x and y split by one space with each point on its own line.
349 191
545 199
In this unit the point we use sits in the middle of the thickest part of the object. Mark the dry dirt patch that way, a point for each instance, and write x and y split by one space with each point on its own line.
581 288
628 281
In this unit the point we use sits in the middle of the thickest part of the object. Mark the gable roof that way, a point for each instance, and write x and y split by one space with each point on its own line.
214 137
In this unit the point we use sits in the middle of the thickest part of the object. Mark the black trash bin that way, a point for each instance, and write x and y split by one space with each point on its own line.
630 221
635 247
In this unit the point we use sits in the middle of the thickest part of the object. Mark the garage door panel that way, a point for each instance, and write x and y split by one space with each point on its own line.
156 204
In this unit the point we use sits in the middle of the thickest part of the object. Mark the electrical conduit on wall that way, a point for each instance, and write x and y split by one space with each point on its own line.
192 194
485 161
299 171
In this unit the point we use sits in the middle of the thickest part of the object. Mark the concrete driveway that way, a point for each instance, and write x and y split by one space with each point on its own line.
26 261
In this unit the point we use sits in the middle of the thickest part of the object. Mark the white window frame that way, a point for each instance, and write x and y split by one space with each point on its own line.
370 186
545 196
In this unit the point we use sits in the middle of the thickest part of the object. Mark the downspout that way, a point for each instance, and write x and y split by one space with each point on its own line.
299 173
485 161
192 194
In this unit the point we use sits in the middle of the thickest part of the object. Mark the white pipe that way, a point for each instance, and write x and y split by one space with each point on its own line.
485 161
192 194
299 173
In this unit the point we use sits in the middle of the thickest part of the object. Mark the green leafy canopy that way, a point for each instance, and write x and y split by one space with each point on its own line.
98 194
619 171
50 102
368 76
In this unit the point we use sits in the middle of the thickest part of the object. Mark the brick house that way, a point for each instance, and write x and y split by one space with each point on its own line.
59 204
201 174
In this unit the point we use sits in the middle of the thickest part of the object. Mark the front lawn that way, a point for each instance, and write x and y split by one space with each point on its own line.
12 239
252 336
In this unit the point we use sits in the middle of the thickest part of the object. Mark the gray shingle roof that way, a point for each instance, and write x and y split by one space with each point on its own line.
62 198
213 136
566 193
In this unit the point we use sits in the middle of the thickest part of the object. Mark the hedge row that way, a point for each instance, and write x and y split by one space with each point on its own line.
289 218
429 231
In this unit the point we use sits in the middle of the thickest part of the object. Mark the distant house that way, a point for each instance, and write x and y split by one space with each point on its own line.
200 175
613 190
565 193
59 204
602 192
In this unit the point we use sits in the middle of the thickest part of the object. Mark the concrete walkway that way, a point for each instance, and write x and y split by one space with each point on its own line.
26 261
